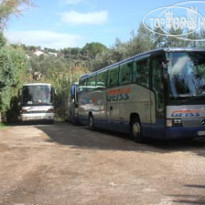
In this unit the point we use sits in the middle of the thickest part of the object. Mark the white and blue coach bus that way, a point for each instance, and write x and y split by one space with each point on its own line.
158 94
37 102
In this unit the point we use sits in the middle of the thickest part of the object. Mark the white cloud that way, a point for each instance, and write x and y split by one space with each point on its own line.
72 1
93 18
43 38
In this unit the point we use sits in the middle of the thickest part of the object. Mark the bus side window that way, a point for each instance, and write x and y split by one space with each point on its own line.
91 83
126 71
101 80
113 77
141 72
82 85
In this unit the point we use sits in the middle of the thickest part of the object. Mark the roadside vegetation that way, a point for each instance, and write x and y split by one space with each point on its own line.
2 125
21 64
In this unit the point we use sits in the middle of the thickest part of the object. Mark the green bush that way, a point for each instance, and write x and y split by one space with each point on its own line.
13 66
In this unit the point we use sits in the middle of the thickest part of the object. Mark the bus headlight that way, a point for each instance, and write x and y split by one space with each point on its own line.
177 122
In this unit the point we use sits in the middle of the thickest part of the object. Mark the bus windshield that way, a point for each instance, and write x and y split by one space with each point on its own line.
37 95
186 75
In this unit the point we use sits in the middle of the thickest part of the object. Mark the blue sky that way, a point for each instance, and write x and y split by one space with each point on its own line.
73 23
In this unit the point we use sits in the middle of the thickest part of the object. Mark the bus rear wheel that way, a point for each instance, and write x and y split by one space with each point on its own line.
136 131
91 122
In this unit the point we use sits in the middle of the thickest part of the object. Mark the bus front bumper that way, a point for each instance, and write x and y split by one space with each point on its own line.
184 132
39 116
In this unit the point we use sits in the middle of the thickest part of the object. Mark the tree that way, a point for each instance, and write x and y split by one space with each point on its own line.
92 49
11 60
13 66
11 7
142 41
2 40
138 44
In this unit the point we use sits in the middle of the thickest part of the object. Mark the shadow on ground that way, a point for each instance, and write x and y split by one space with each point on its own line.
81 137
191 199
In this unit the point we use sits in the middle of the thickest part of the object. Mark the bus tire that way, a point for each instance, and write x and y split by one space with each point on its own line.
136 130
91 122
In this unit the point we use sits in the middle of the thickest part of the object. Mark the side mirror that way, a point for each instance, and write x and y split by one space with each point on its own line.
20 92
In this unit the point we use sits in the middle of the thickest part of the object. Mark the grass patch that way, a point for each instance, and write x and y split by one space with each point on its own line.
2 125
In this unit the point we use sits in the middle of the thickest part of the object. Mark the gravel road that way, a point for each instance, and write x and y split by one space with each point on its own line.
62 164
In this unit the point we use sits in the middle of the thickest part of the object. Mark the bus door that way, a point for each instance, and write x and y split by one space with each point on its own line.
99 99
112 98
158 88
143 94
112 105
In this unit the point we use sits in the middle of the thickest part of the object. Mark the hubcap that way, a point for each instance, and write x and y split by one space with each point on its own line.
91 122
136 129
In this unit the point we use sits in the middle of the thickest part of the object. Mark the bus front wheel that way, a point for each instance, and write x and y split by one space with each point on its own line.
136 131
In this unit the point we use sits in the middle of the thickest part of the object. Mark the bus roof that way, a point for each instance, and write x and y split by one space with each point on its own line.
159 50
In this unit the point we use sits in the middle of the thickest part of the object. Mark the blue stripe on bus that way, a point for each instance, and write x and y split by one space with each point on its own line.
155 131
183 132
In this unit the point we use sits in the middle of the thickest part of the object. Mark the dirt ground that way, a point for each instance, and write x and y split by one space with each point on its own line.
62 164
